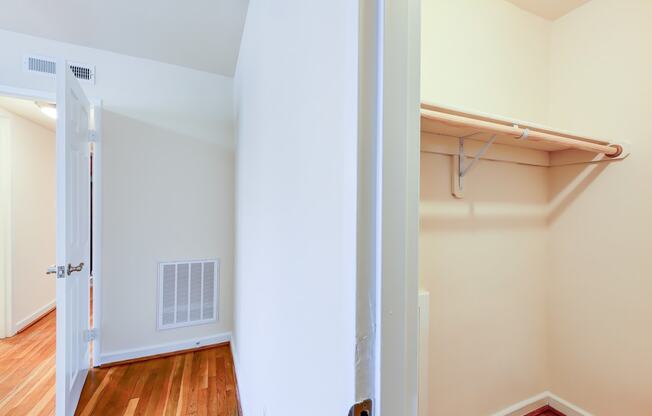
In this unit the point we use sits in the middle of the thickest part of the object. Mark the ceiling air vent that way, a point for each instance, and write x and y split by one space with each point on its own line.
48 66
188 293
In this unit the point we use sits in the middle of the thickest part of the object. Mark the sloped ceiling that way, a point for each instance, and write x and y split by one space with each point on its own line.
200 34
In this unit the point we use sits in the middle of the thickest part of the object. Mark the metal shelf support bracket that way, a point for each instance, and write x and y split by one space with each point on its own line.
461 169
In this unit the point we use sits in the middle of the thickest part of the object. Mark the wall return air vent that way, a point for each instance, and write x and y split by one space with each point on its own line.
48 66
188 293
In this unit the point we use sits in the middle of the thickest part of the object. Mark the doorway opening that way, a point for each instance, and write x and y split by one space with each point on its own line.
28 249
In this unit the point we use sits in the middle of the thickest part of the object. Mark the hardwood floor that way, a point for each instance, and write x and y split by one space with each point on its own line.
194 383
27 370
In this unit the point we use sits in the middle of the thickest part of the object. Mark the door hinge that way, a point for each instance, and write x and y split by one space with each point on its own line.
91 334
361 409
61 272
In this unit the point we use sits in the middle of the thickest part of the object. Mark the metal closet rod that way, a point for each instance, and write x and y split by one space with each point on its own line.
520 133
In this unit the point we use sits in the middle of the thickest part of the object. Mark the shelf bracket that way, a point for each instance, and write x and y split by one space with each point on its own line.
460 169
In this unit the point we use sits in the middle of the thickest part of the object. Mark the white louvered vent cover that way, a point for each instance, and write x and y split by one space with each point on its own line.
48 66
188 293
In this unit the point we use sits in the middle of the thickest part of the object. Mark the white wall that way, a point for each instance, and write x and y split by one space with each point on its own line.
32 217
168 184
600 235
296 95
483 258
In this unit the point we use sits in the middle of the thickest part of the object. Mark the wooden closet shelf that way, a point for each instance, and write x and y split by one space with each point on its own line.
445 121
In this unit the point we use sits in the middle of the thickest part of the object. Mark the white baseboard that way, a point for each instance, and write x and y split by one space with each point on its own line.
540 400
526 406
135 353
38 314
565 407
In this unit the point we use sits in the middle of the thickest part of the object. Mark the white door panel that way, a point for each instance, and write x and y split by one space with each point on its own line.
73 239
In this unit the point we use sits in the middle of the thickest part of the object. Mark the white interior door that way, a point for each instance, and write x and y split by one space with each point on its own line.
73 239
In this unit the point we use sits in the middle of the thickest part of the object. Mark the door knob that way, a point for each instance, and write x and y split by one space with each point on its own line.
51 270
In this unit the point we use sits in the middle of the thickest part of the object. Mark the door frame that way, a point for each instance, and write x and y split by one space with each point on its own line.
398 40
5 275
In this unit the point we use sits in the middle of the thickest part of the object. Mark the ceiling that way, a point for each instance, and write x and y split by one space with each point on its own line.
200 34
549 9
27 109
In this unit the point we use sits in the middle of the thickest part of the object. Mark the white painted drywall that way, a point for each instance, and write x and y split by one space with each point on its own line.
204 35
483 258
296 101
601 230
487 55
32 217
168 180
5 227
578 235
549 9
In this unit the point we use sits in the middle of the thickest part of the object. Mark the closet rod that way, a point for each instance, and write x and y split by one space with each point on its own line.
519 133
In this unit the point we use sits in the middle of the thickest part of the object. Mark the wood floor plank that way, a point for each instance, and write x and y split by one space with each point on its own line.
131 407
148 370
113 387
118 401
175 380
45 406
212 407
85 408
160 368
194 385
220 381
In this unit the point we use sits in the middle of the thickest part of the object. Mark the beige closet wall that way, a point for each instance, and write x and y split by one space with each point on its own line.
601 235
486 55
32 217
483 258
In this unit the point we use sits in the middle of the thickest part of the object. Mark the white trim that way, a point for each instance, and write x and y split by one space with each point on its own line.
38 314
566 407
424 351
177 346
398 229
526 406
368 241
540 400
97 229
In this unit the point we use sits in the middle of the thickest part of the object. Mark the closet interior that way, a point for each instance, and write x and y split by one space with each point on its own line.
534 211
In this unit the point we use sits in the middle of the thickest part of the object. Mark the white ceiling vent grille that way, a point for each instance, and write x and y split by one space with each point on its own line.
48 66
187 293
